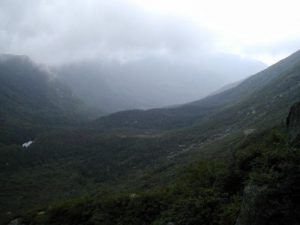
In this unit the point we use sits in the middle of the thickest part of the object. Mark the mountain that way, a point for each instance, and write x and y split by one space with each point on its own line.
197 163
275 87
30 98
153 81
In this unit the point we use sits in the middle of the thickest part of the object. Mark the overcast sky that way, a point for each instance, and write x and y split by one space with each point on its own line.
59 31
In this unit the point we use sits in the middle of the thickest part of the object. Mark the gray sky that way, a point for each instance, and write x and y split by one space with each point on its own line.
59 31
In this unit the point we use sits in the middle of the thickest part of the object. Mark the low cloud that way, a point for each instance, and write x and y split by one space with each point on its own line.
61 31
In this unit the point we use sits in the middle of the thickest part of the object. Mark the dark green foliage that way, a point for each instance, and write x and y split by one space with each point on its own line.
32 100
272 189
207 192
182 204
141 155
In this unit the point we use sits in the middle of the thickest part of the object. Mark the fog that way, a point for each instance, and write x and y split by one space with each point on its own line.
64 31
153 81
118 54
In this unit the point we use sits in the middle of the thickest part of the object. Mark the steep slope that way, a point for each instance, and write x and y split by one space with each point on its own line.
278 84
293 123
31 98
264 100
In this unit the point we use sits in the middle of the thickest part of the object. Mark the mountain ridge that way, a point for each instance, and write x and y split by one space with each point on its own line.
187 114
31 97
115 154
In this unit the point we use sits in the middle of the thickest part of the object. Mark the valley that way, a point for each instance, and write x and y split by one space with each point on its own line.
149 112
191 163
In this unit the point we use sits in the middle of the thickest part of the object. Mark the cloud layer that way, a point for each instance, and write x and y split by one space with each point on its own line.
152 58
61 31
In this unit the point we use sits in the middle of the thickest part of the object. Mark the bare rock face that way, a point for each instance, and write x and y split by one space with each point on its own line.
293 124
249 215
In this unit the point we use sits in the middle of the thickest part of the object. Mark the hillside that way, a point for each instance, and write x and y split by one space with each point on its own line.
258 185
145 153
276 86
32 98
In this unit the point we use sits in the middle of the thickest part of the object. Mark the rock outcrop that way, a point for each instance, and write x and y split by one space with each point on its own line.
270 204
249 215
293 124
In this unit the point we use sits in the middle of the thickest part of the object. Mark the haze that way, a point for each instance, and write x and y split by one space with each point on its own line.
144 54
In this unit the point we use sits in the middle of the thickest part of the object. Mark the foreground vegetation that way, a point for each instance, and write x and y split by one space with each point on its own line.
206 162
261 176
